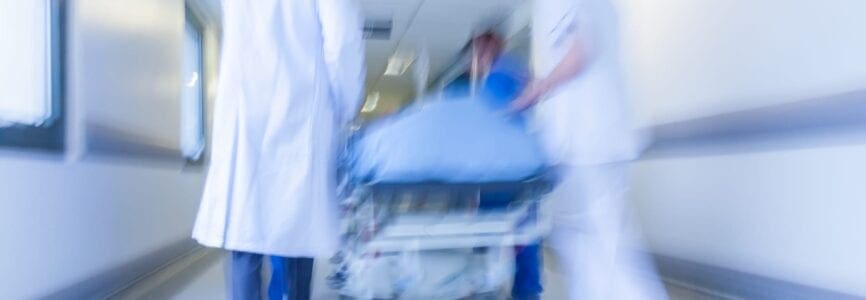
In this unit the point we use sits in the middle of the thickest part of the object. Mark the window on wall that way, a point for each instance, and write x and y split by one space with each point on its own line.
31 76
192 100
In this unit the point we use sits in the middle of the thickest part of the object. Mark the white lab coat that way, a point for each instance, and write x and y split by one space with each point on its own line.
291 76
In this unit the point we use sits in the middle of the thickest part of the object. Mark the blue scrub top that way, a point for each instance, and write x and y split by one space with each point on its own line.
508 76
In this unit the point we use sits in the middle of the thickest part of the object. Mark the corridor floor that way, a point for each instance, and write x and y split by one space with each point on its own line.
206 280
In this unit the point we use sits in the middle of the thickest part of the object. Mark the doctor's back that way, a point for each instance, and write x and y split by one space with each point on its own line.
291 75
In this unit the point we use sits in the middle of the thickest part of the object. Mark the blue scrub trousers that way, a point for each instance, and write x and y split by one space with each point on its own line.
291 277
527 273
527 260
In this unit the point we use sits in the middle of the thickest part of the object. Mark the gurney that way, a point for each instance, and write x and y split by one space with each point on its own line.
420 227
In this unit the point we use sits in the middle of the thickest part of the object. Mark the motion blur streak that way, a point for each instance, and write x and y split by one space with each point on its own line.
750 185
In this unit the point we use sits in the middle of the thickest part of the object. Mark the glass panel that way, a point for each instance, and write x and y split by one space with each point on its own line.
192 131
25 85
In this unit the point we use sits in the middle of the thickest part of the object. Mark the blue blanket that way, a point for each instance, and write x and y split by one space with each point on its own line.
462 140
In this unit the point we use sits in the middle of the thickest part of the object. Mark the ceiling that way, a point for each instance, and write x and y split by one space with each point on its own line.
442 27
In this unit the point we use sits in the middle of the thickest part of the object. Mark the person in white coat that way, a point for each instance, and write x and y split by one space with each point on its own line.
581 115
291 78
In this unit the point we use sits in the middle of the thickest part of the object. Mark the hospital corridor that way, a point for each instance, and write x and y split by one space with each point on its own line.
432 149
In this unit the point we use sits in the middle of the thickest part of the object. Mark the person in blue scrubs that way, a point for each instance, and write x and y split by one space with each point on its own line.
502 78
290 277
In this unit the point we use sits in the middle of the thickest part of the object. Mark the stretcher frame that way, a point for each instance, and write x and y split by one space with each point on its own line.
369 210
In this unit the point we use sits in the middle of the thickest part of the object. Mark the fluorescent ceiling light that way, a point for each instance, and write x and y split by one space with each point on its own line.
371 103
397 66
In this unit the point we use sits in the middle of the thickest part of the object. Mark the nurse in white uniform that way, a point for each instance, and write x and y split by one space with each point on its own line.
581 114
291 77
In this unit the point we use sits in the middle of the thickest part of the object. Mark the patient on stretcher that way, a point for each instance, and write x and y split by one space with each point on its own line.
460 140
448 138
451 138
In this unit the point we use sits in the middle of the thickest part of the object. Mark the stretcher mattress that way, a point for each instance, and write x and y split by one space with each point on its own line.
457 141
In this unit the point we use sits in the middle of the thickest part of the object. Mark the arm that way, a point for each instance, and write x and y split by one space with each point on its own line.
575 60
342 40
572 64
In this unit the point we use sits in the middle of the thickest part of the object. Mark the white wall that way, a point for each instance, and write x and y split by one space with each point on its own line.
61 223
795 214
69 217
696 58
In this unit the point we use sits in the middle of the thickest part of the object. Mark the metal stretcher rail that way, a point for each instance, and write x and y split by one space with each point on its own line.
545 180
